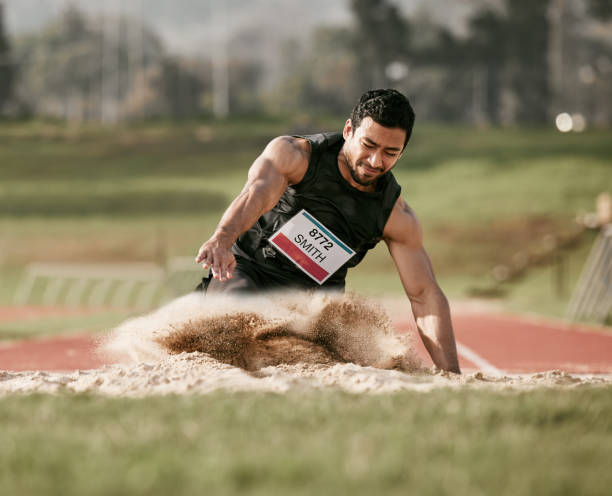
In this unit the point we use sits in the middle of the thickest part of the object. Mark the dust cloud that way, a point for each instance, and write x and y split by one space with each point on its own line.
254 332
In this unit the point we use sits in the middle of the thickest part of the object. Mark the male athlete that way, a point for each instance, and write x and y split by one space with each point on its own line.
313 206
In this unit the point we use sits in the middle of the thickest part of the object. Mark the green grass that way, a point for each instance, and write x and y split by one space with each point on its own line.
442 442
145 192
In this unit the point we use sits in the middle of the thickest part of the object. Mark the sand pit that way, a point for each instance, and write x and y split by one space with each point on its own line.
197 373
277 342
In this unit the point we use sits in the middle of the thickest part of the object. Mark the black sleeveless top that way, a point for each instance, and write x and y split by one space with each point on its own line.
356 217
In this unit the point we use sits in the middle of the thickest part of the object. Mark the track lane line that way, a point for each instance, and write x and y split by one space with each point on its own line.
475 358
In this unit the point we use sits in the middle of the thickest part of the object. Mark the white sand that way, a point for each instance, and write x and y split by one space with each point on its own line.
288 342
197 373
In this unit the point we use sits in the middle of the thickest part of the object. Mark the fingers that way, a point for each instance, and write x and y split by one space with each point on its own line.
204 260
220 261
202 254
205 256
223 268
230 269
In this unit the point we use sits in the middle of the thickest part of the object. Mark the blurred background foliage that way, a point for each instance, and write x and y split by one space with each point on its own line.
495 62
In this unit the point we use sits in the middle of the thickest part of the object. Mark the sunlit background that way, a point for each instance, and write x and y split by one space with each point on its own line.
128 126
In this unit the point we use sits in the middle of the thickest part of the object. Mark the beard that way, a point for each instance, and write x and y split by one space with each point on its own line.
362 181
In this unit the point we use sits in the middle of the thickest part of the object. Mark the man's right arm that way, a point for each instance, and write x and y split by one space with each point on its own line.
283 162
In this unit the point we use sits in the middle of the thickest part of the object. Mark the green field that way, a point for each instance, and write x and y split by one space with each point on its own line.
545 442
147 192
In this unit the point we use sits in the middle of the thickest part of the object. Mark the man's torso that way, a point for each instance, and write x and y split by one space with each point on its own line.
357 218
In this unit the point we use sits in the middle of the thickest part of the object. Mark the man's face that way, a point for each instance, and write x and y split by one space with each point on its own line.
371 150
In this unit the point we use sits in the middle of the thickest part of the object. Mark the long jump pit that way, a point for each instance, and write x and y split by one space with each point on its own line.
302 341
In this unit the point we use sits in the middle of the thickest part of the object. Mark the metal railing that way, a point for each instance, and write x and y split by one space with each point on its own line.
592 299
139 285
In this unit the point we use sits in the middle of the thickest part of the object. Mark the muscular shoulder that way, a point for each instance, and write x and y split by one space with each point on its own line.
403 226
290 156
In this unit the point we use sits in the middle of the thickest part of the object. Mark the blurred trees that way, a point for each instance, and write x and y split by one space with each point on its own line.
342 61
381 37
581 59
487 47
169 87
526 25
112 69
107 69
6 64
440 80
515 64
601 9
75 69
323 79
497 73
512 62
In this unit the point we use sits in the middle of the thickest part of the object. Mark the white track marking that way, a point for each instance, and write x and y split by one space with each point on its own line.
475 358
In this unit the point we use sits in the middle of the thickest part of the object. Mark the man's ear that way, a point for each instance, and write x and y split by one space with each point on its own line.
348 129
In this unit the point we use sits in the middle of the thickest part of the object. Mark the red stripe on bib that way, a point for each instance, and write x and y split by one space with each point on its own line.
299 257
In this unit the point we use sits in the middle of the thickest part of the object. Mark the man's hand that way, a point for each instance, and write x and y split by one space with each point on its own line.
217 254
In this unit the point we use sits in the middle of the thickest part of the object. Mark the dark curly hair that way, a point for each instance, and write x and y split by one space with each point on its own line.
388 108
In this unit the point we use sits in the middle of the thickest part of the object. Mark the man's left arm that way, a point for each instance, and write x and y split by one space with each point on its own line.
430 307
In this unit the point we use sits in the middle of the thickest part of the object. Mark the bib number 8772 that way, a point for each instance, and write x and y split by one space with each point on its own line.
311 246
323 241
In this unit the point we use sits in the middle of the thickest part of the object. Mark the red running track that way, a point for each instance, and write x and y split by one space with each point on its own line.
8 314
507 343
493 343
59 353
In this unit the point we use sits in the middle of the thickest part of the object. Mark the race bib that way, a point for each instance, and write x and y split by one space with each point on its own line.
311 246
